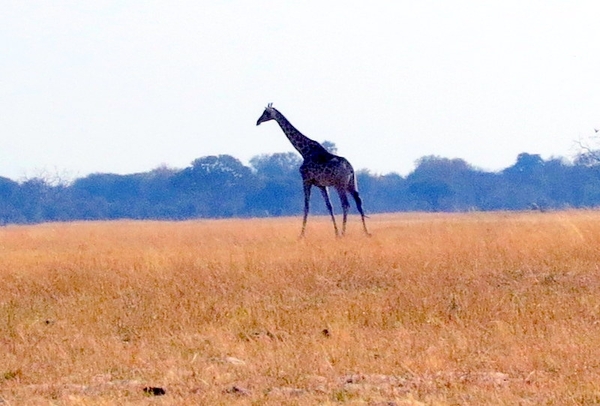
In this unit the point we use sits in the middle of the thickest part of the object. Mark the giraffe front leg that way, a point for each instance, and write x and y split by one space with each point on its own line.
306 207
325 194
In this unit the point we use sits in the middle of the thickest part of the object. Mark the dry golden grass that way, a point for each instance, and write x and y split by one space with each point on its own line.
498 308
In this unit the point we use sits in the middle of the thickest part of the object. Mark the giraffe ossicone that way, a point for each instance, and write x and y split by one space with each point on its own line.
321 169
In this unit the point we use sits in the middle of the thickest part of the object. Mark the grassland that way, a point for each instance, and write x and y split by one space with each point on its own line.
497 308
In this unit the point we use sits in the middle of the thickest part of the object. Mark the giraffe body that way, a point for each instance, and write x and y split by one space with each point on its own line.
321 169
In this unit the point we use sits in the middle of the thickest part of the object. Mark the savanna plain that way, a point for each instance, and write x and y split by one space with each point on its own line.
432 309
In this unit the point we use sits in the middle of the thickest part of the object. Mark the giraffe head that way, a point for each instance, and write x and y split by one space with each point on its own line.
268 114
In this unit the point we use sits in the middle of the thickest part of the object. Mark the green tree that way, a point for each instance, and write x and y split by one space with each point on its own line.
279 190
214 186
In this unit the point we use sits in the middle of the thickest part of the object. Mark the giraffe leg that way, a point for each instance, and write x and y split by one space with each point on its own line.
306 207
345 207
358 201
325 194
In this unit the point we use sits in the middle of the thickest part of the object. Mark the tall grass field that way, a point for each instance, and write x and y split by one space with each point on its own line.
433 309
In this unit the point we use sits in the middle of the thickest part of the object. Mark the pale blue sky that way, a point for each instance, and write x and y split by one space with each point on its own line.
126 86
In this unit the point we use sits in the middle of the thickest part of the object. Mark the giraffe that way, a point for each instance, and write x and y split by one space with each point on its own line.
321 169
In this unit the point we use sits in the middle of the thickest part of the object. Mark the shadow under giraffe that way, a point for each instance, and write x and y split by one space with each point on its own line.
321 169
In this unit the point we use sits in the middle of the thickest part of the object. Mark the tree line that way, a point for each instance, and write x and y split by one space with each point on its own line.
222 186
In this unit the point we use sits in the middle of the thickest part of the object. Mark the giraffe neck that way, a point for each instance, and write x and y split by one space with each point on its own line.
304 145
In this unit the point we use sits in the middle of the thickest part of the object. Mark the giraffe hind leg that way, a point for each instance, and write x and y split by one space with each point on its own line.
325 194
358 201
345 208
